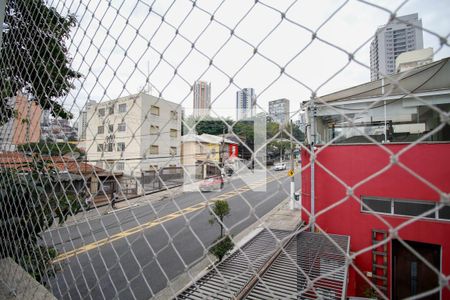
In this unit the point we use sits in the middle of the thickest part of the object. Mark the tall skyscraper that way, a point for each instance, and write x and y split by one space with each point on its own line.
202 98
398 36
245 103
279 110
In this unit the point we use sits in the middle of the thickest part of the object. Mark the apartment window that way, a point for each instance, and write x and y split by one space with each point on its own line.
111 109
401 207
154 129
120 165
173 150
110 147
173 133
100 148
154 110
122 127
101 112
122 108
110 128
101 129
174 115
121 146
154 149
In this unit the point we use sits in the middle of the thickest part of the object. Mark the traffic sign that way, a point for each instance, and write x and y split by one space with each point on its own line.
291 173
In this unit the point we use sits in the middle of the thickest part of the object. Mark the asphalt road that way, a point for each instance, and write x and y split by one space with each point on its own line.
115 258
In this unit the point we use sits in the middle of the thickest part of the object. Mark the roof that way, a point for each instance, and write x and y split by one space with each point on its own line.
19 160
431 77
311 264
206 138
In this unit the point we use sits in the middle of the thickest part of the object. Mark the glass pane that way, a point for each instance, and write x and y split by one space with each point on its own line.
377 205
444 213
412 208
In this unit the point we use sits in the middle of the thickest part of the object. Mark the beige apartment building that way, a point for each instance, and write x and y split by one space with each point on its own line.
134 134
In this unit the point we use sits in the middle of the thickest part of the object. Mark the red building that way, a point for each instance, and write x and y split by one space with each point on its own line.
384 180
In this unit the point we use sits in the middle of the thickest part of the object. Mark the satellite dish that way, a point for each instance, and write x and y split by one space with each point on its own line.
76 155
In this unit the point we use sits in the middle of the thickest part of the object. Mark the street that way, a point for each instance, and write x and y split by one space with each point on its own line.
134 253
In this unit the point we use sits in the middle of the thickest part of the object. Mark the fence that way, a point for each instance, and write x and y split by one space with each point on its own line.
140 79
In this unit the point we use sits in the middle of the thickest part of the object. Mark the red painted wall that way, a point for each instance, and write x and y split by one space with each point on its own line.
354 163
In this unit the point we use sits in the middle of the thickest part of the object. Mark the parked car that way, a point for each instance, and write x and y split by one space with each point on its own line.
212 183
279 167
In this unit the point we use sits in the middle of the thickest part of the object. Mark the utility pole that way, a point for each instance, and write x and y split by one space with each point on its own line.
312 141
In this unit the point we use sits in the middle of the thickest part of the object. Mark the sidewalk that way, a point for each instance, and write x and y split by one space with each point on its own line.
280 218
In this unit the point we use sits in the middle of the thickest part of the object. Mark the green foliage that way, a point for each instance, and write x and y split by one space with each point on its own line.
51 149
27 209
34 56
222 247
220 209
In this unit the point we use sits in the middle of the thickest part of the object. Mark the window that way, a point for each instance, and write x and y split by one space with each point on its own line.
120 165
122 108
110 128
110 147
100 148
173 133
154 110
402 207
101 112
121 146
154 129
173 150
122 127
154 149
174 115
111 109
101 129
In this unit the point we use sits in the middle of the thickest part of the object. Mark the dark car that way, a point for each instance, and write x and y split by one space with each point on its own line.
212 183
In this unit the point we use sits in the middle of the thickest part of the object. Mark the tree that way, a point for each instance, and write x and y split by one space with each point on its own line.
34 35
223 244
28 208
50 149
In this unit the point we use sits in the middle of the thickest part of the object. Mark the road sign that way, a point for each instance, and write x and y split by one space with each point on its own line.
291 173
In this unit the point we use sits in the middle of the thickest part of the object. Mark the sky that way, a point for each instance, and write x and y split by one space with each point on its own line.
267 45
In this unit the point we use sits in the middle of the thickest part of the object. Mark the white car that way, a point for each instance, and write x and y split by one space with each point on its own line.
279 167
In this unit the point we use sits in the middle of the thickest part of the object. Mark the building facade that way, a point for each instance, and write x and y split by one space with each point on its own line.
381 170
279 110
245 103
413 59
398 36
83 120
134 134
24 127
202 98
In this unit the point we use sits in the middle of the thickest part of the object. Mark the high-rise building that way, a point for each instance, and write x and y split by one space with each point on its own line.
202 98
279 110
398 36
245 103
24 127
83 121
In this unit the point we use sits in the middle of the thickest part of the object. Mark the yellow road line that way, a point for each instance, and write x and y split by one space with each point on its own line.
153 223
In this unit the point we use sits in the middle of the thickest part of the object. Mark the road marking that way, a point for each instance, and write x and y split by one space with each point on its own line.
158 221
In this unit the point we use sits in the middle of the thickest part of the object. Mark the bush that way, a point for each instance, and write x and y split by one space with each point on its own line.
222 247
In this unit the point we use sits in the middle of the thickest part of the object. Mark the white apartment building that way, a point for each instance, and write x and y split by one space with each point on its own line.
401 35
413 59
245 103
134 134
279 110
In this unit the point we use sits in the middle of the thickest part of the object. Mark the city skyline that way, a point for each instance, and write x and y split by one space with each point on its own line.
197 66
